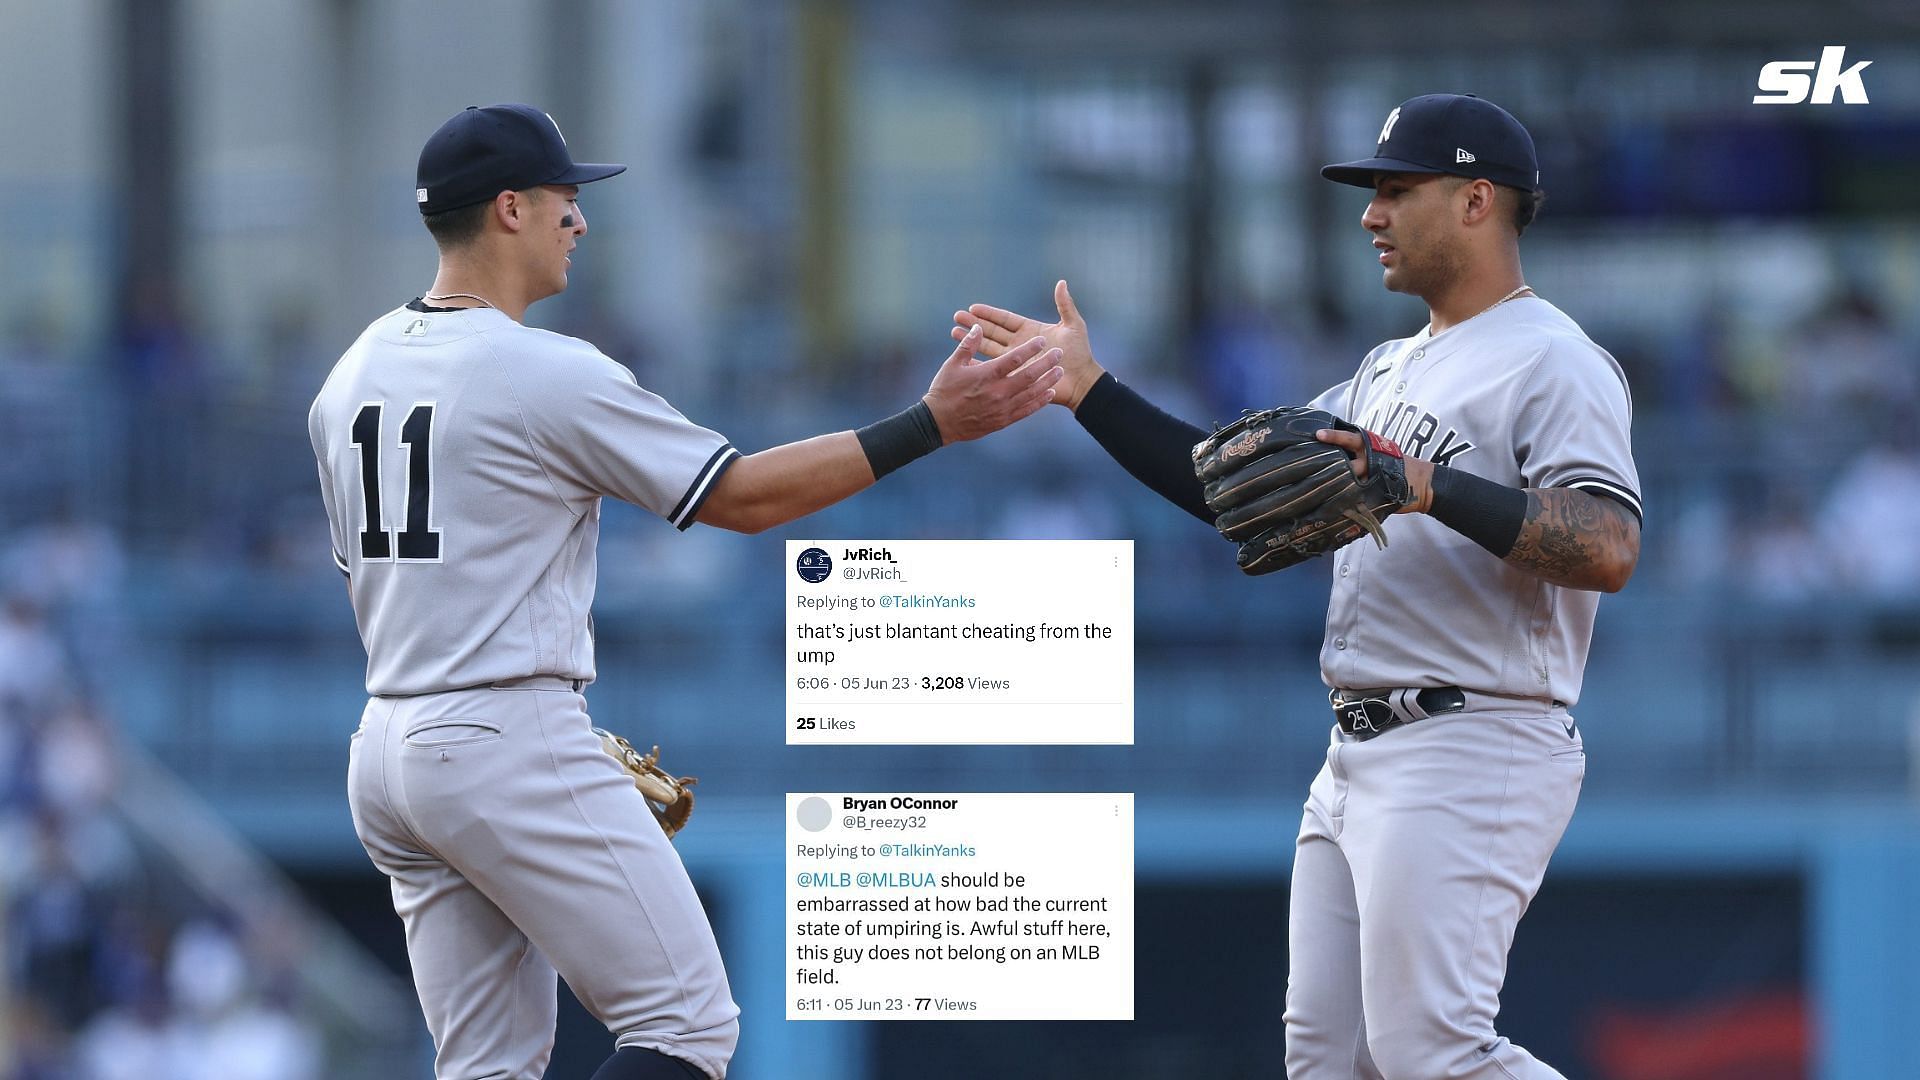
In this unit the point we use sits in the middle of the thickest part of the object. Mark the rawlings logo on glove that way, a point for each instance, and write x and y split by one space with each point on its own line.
1285 497
667 795
1243 447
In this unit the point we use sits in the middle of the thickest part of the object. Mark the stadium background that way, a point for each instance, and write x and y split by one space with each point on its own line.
206 199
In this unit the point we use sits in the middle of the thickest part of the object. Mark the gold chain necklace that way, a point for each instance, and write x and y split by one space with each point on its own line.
1524 288
1475 315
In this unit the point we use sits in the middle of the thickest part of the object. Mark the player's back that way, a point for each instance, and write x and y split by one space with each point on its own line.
462 458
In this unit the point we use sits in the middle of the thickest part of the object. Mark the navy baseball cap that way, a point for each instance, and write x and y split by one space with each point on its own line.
485 150
1456 134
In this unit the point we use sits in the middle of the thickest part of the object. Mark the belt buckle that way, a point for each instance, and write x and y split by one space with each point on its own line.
1370 715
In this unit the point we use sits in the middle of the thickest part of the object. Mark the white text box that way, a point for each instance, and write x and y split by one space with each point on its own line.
959 906
959 641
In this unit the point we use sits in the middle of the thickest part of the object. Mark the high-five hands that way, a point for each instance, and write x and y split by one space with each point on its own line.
971 398
1002 328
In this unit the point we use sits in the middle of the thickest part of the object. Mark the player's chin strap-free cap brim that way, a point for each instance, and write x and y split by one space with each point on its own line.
586 172
580 172
1361 173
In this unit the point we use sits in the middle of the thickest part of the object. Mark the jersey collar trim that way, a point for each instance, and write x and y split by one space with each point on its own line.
419 303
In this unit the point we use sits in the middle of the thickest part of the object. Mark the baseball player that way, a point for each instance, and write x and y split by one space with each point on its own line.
463 457
1454 653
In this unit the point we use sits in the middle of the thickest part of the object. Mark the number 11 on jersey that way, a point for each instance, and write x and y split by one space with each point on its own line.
419 541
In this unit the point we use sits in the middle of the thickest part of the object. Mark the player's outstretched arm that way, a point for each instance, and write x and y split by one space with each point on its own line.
1561 535
1153 446
969 398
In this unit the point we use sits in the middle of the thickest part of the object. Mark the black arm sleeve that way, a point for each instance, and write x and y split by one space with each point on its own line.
1484 512
1155 447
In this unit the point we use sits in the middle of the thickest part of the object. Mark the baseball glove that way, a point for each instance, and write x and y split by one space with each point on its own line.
1285 497
667 795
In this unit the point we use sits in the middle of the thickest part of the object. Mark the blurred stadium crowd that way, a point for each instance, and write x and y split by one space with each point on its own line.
115 968
1796 456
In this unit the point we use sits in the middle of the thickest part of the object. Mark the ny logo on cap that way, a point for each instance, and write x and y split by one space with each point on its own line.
1387 131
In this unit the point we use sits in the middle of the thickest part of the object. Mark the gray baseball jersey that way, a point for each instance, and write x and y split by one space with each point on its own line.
1420 850
462 458
1520 396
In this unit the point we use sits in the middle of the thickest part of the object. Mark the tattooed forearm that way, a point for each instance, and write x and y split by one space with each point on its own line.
1577 540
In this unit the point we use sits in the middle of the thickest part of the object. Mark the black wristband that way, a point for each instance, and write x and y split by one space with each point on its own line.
1484 512
1155 447
903 437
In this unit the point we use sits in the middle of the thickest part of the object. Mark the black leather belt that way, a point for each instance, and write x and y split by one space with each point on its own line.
1364 714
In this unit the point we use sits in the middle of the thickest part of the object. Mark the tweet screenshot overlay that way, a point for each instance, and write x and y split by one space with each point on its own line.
959 641
960 907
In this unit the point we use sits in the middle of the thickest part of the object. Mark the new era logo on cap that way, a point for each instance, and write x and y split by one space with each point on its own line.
1430 133
420 194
